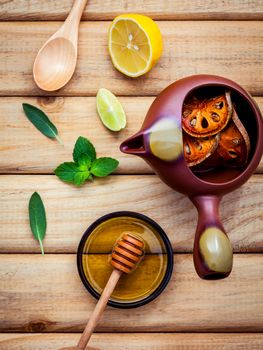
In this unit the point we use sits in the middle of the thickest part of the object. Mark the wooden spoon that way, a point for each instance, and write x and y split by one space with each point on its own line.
56 60
126 255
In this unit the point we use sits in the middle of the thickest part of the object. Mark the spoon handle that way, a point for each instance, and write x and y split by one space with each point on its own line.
213 256
97 312
76 11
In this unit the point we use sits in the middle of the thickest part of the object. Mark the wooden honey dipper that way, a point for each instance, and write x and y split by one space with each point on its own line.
126 255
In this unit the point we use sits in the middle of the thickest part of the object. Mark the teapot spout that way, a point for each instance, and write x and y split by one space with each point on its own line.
134 145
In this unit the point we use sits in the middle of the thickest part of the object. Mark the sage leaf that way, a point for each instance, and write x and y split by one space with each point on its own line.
41 121
37 217
83 146
104 166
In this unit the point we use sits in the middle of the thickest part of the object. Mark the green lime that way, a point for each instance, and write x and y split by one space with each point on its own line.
110 110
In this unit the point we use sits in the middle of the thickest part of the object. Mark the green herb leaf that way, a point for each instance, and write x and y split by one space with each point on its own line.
66 171
74 173
84 162
83 146
41 121
102 167
80 177
37 217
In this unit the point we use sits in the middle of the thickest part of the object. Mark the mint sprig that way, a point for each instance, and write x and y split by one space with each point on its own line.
83 146
85 165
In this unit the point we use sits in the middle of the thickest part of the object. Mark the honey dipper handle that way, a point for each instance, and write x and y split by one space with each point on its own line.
96 314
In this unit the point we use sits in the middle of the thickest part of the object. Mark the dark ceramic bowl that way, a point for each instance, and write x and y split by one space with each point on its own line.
151 276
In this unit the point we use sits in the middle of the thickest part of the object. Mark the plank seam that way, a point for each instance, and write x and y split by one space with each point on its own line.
142 332
257 17
75 253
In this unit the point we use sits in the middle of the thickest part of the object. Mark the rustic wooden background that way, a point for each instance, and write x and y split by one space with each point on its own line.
44 294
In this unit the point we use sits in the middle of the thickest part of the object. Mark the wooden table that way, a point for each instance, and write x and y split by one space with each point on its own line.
44 295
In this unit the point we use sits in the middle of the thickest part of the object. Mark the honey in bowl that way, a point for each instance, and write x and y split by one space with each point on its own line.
143 284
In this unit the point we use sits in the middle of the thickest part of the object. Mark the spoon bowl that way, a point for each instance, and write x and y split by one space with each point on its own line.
53 76
56 61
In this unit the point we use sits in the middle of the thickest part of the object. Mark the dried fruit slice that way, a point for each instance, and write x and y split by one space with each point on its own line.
234 144
203 118
196 150
233 147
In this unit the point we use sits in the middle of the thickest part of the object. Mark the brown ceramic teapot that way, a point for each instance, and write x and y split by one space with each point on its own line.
160 144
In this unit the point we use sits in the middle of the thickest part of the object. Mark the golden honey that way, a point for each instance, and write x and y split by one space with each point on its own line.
140 283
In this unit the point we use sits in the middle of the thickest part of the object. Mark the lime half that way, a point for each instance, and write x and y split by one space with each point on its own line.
110 110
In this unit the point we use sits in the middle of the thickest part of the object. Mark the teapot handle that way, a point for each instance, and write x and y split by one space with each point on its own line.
213 255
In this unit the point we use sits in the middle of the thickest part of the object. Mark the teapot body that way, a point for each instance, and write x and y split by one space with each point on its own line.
160 143
164 121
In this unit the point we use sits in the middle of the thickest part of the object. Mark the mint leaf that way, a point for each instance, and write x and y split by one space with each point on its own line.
80 177
84 162
83 172
83 146
66 171
74 173
102 167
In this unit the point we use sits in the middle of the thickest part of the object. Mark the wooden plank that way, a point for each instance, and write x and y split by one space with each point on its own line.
33 153
45 294
233 49
135 341
71 210
38 10
24 150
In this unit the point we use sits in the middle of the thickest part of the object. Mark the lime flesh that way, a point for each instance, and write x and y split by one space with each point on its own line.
110 110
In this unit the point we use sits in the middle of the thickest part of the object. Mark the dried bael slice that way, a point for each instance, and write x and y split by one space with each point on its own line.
206 117
234 144
196 150
233 147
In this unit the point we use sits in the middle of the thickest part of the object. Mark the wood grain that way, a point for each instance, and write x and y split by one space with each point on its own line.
24 150
22 10
45 294
136 341
232 48
71 210
31 152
